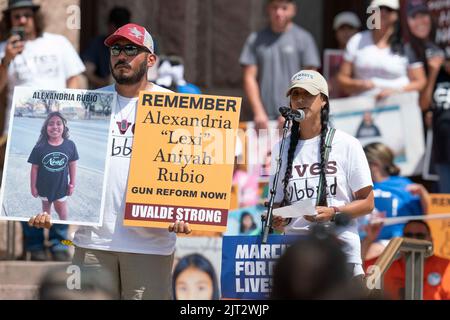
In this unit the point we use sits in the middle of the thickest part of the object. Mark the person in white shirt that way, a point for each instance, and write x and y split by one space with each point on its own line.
376 63
39 59
34 58
347 183
140 259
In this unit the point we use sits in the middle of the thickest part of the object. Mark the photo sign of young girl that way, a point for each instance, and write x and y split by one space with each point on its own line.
182 162
56 155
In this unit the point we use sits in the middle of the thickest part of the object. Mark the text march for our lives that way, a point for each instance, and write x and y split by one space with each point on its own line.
182 161
248 264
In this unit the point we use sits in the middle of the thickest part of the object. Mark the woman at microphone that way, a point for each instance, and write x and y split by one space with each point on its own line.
324 166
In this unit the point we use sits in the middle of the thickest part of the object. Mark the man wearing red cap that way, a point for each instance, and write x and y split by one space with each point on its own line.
140 259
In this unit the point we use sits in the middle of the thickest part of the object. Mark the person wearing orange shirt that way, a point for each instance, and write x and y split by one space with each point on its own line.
436 276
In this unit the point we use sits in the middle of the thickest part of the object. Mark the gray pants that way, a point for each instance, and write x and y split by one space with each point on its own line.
133 276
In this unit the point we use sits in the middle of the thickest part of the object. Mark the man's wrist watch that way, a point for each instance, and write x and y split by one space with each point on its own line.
336 211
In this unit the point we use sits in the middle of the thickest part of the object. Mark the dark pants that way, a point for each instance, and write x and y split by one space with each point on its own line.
34 237
443 170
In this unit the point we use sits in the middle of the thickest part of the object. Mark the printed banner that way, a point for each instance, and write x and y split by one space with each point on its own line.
395 121
440 229
182 161
196 268
245 221
57 155
247 265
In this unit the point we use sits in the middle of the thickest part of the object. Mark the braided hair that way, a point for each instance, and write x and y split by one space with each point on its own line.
324 117
295 136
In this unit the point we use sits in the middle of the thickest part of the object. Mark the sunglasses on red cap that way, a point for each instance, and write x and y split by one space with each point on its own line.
130 50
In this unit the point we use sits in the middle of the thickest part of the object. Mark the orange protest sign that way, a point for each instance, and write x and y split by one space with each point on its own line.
182 162
440 229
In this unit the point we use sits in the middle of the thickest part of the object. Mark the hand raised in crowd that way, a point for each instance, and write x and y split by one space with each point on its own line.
324 214
42 220
14 46
180 227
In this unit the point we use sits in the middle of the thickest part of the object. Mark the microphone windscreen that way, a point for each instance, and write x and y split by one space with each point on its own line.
284 111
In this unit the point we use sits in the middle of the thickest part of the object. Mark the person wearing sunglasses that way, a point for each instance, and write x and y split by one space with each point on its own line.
140 259
31 57
436 275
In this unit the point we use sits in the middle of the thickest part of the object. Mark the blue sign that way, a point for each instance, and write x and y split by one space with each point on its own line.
247 265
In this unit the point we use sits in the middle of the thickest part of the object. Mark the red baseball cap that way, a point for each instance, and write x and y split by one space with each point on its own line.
134 33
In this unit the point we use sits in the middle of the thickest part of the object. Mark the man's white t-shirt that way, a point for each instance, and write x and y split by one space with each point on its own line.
46 62
113 236
386 69
347 171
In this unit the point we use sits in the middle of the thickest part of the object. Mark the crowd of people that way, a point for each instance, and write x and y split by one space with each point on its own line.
280 61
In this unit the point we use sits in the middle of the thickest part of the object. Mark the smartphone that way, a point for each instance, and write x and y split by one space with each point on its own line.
20 31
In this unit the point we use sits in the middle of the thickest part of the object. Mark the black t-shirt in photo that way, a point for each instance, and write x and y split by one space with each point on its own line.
53 161
441 118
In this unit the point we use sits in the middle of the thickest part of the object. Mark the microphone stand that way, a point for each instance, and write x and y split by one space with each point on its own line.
267 222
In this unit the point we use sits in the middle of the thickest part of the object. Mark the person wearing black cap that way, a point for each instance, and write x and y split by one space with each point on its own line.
31 57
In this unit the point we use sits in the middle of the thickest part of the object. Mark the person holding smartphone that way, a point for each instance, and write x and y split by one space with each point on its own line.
32 57
421 31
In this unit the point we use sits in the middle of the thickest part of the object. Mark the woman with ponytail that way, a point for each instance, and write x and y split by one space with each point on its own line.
407 198
324 166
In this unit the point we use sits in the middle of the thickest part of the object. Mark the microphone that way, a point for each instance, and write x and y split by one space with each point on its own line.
296 115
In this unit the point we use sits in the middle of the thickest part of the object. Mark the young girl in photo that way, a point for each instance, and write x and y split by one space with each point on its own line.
53 165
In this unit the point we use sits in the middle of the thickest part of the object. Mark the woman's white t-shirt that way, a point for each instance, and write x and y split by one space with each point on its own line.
347 171
386 69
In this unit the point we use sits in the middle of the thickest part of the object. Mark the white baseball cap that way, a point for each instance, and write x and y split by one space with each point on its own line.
311 81
393 4
346 18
